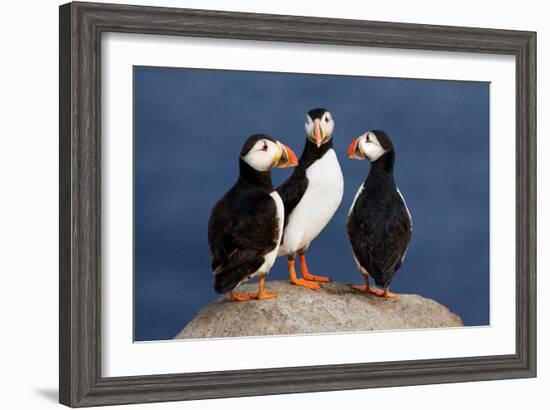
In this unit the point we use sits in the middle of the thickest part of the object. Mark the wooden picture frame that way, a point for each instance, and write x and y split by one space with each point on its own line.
81 27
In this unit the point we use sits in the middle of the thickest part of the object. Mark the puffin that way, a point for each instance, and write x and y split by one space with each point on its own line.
311 195
379 224
246 224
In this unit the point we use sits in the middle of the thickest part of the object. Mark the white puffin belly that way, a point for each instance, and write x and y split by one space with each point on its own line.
269 258
319 203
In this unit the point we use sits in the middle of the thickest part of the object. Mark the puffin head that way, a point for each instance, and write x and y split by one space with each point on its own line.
263 152
371 145
319 126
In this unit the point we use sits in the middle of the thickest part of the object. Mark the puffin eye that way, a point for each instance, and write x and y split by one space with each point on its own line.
264 148
327 118
367 138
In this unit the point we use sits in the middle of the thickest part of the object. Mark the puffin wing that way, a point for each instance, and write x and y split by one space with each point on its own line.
241 231
390 246
380 247
292 190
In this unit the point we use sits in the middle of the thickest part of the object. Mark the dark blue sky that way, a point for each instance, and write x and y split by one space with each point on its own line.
190 125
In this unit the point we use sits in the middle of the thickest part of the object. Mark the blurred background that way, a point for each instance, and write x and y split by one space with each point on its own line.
189 127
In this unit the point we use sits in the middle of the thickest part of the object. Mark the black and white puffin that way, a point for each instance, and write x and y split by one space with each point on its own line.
246 224
311 195
379 223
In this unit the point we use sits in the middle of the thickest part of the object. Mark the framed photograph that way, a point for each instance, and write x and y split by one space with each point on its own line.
259 204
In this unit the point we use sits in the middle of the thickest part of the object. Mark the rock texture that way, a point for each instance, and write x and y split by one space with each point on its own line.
297 310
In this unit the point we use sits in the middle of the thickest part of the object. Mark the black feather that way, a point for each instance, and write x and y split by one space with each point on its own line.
316 113
379 226
252 140
243 227
227 280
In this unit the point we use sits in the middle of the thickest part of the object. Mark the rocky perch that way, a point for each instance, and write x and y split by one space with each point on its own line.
297 310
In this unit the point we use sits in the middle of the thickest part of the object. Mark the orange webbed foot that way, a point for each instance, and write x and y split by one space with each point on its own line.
305 283
389 295
376 292
239 297
266 294
309 276
305 271
368 289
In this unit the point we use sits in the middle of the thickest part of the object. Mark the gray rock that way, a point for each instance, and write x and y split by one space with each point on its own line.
297 310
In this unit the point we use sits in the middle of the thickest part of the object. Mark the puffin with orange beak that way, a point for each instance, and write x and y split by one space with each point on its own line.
311 195
379 223
246 224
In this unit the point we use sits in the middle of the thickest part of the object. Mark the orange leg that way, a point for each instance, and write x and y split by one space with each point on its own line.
305 270
262 293
368 288
300 282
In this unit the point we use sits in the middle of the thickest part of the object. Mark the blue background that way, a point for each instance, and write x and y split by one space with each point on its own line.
190 125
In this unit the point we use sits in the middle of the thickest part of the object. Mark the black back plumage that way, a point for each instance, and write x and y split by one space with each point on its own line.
379 225
243 227
294 188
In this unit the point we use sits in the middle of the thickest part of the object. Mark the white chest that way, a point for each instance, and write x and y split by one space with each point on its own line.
319 203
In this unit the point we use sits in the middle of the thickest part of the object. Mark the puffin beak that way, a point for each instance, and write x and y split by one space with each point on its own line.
318 135
287 159
353 150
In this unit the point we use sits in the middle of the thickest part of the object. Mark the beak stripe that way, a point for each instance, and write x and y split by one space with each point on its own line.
352 149
318 137
288 158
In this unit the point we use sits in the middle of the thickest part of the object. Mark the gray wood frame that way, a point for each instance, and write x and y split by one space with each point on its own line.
81 26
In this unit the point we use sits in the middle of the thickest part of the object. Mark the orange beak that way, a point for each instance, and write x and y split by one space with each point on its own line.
318 137
352 149
288 158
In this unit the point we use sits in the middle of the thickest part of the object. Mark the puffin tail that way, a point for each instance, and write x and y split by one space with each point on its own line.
226 281
383 280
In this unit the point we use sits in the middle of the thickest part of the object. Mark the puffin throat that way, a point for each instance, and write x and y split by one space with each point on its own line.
254 177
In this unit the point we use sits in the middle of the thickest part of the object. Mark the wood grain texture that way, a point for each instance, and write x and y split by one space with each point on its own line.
81 26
